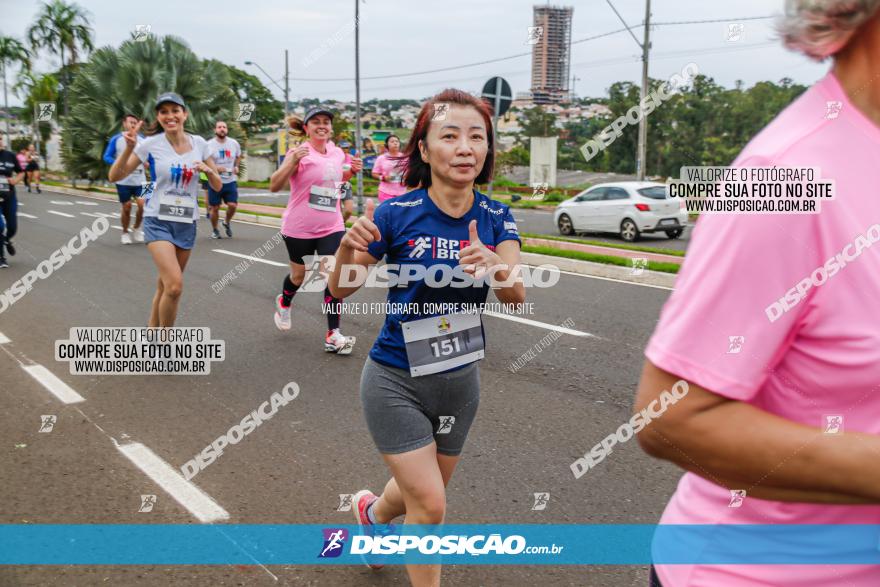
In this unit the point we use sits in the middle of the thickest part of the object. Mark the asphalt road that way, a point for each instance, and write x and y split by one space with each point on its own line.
531 424
533 221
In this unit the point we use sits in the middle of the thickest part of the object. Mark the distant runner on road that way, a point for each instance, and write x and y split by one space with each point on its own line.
227 154
130 186
313 221
389 169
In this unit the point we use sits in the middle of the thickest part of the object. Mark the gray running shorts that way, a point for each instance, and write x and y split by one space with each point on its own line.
404 413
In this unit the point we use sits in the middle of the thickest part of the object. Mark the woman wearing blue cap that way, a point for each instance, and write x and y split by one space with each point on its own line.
171 210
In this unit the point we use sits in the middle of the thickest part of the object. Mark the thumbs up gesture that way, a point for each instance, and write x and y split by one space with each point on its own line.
363 232
476 257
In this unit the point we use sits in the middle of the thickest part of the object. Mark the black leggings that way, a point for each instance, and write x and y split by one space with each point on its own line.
9 209
655 580
297 248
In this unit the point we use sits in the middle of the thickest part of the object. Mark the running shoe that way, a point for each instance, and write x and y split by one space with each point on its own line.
228 229
216 234
39 191
362 500
10 248
138 236
126 238
336 342
282 314
3 263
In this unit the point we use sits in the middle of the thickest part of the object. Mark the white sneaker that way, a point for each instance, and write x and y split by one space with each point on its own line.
138 236
336 342
282 315
126 238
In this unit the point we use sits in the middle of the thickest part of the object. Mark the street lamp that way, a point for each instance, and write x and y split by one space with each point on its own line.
286 88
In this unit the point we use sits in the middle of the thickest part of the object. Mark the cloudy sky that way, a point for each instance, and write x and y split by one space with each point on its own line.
407 36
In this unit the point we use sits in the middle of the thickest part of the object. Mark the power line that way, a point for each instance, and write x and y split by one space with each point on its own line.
658 56
526 54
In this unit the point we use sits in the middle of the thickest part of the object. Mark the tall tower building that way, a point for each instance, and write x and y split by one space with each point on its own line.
551 53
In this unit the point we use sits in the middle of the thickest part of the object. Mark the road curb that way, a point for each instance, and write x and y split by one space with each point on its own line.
616 272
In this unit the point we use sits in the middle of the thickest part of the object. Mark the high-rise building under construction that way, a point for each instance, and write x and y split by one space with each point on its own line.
551 53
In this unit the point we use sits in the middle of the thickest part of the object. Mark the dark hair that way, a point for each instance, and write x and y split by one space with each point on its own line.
130 115
389 137
418 173
219 120
297 128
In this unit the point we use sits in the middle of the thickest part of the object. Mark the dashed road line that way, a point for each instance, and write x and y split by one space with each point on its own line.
196 501
53 385
538 324
255 259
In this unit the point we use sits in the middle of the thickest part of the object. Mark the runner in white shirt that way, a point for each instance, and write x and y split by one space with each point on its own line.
171 210
128 187
227 154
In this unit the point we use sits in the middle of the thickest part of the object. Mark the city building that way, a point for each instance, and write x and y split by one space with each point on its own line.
551 54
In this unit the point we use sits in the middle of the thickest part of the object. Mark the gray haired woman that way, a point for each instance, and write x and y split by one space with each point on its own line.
774 326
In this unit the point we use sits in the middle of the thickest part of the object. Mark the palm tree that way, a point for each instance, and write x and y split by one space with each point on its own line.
63 29
115 82
11 51
35 88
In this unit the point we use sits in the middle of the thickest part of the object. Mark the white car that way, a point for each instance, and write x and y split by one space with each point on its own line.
628 208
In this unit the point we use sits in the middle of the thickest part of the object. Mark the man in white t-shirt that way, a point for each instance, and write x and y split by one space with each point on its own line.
227 153
128 187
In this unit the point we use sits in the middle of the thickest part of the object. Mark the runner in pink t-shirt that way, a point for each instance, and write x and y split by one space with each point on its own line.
390 170
313 222
783 398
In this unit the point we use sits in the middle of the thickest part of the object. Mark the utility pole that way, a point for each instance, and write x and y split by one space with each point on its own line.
643 121
37 133
5 106
357 105
286 85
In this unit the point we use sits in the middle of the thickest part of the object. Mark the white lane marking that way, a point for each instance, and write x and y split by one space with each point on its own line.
86 203
544 325
225 252
23 215
54 385
4 339
623 281
196 501
60 203
61 214
116 227
91 214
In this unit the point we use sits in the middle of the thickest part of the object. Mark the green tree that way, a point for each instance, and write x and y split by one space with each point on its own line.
117 81
535 122
12 52
35 88
249 89
63 29
506 160
342 129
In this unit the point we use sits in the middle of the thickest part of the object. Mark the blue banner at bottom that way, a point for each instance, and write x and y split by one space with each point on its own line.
516 544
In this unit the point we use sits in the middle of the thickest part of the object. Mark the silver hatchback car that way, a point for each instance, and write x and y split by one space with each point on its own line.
628 208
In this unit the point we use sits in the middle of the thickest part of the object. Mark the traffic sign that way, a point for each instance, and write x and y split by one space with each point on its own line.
497 93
